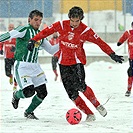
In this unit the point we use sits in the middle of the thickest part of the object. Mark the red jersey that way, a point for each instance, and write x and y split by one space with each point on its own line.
128 36
54 41
7 46
71 41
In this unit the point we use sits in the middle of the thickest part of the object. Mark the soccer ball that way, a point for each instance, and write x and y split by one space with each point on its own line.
73 116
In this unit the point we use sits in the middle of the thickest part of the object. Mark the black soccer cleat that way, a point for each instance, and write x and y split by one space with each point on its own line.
15 101
30 115
128 93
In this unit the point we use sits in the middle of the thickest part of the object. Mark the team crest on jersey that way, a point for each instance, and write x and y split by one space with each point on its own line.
37 44
70 35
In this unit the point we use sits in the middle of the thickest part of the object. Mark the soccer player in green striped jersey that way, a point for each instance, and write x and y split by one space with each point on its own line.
28 73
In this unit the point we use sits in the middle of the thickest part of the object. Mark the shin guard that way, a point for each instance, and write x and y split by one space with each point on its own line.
82 105
89 94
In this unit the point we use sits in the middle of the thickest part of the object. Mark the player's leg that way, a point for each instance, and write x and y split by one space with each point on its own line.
15 85
87 91
129 81
22 72
92 98
54 66
15 82
36 101
8 67
68 80
41 92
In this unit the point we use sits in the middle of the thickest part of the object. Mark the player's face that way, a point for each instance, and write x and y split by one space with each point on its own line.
10 27
35 22
74 22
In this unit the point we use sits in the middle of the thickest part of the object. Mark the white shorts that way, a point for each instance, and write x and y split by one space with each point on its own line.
29 74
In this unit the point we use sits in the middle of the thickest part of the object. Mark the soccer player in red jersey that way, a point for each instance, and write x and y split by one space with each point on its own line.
72 36
9 48
128 36
54 40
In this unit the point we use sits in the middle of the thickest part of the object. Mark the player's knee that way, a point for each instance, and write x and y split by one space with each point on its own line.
130 72
29 91
41 91
73 96
82 87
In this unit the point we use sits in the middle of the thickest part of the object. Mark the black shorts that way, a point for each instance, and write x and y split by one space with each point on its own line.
73 78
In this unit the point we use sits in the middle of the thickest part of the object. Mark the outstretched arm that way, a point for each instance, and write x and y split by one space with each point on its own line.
18 32
93 37
51 49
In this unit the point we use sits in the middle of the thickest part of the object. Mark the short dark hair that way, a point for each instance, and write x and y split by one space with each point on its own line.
132 24
35 13
76 12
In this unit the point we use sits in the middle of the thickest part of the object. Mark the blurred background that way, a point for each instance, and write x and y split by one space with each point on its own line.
99 14
109 18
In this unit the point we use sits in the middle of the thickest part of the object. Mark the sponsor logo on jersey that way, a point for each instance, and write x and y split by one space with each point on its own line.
70 35
69 45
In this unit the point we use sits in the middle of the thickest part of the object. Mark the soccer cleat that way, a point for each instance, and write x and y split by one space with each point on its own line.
11 80
90 117
102 110
128 93
15 101
30 115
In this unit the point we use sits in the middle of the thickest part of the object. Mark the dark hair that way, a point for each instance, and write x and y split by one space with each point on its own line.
76 12
35 13
132 24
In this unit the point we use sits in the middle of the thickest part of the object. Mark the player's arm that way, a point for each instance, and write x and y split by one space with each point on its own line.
17 32
1 48
43 34
51 49
94 38
123 38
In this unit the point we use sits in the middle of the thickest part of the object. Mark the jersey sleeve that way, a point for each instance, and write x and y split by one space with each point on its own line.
94 38
47 31
1 46
18 32
51 49
124 37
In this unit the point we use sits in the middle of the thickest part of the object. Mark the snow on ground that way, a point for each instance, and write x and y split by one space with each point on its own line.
106 79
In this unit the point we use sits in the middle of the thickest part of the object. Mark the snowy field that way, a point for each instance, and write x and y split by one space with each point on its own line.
106 79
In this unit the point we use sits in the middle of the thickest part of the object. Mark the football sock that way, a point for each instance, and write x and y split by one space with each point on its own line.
19 94
82 105
36 101
91 96
130 80
55 71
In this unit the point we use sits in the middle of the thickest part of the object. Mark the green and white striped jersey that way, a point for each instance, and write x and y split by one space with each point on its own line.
23 35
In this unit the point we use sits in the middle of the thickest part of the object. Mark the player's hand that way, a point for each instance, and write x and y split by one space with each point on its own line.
116 58
1 52
119 43
13 49
31 45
